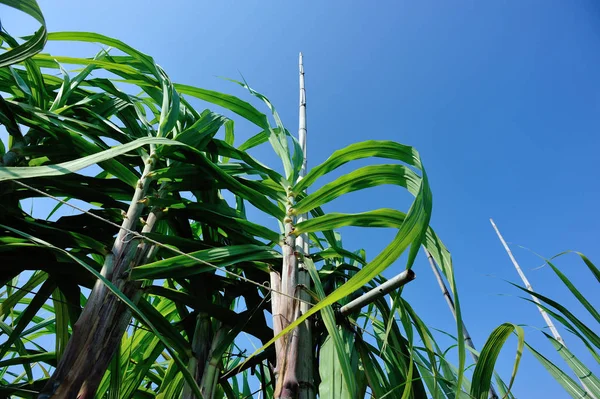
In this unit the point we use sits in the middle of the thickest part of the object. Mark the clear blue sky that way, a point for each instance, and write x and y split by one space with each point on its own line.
502 99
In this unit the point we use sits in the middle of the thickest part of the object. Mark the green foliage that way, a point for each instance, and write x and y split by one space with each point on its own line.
201 289
588 384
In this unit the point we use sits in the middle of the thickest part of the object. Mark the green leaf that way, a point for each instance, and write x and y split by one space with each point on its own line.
256 140
229 135
61 311
383 217
196 262
8 304
365 149
182 367
588 332
482 376
19 172
25 318
218 216
146 60
7 119
114 391
227 101
169 111
255 197
376 377
35 43
591 382
47 357
95 63
411 233
368 176
202 131
279 139
560 376
21 84
226 150
334 356
580 297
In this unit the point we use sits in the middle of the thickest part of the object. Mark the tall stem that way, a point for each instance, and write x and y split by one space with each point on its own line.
450 301
293 373
201 344
277 317
370 296
547 319
305 360
104 319
287 381
210 376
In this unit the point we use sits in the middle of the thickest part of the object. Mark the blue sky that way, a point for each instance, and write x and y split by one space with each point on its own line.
502 100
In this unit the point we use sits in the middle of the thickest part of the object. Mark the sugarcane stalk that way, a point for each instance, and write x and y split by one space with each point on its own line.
544 314
450 301
287 381
99 329
277 317
377 292
201 344
294 278
210 376
547 319
306 388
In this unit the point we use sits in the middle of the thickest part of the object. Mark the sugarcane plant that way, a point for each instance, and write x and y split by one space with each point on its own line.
149 284
589 383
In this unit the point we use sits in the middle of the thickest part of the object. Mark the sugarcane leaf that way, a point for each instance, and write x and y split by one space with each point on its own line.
376 377
22 84
114 390
484 369
8 304
47 357
225 149
35 43
17 172
254 196
368 176
169 111
186 374
279 139
7 119
146 60
227 101
61 312
145 360
589 379
586 338
196 262
27 315
365 149
258 139
560 376
589 264
199 134
334 356
107 65
336 252
383 217
587 332
410 233
218 215
580 297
